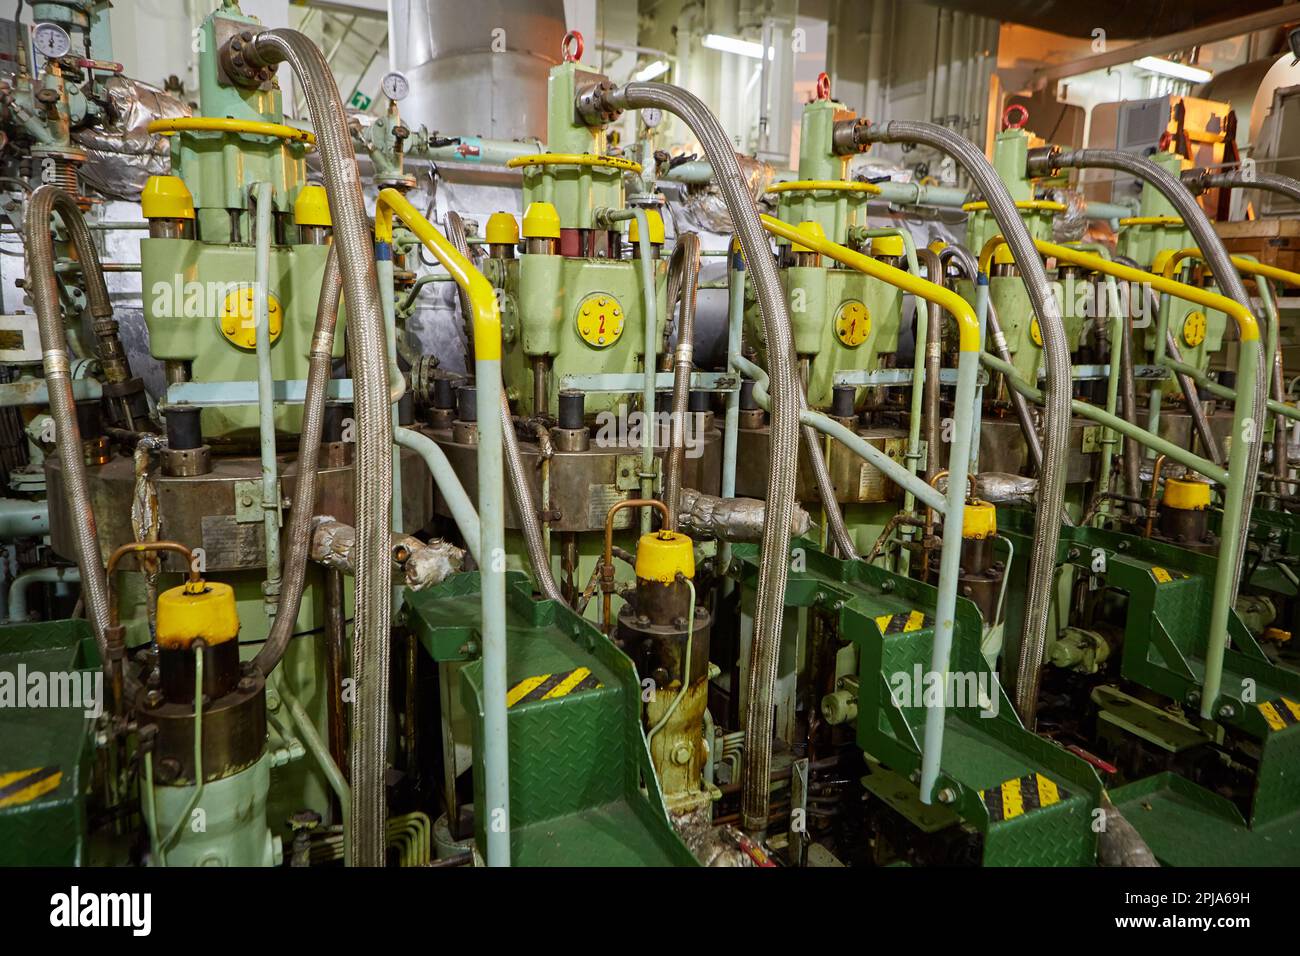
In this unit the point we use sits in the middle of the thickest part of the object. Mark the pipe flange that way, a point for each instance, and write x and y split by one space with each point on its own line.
1042 161
571 439
593 104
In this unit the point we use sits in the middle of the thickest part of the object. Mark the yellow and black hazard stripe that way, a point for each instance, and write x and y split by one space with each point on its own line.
1281 713
1020 796
24 786
903 622
551 686
1164 575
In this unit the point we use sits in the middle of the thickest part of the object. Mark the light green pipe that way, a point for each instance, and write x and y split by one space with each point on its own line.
263 197
915 415
651 350
731 424
949 566
446 481
492 567
20 518
854 442
388 302
317 747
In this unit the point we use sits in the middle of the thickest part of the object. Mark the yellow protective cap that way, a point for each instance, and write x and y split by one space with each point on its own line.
1187 494
809 226
197 609
1161 260
663 555
1002 255
979 520
312 207
937 246
654 222
502 230
166 197
541 221
887 246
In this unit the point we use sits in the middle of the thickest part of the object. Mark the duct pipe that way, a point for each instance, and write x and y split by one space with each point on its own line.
520 490
302 507
1056 351
1048 161
18 611
775 549
683 279
43 288
373 469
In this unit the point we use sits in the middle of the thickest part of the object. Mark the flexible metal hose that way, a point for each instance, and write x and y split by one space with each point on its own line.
786 396
517 477
302 509
969 266
1199 180
1220 263
373 467
43 288
1056 398
683 280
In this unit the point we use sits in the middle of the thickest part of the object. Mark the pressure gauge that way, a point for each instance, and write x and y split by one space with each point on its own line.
395 86
652 116
51 40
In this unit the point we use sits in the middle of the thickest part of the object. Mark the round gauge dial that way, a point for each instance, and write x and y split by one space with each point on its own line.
853 323
51 40
652 116
395 86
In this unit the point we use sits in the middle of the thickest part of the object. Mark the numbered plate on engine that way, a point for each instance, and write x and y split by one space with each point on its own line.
852 323
600 320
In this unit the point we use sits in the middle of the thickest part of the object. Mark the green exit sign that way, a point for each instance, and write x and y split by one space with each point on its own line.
360 101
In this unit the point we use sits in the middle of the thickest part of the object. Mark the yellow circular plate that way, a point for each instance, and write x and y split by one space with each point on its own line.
237 322
853 323
1194 328
600 320
1036 333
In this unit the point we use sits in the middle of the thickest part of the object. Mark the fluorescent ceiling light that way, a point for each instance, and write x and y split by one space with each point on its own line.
726 44
657 68
1179 71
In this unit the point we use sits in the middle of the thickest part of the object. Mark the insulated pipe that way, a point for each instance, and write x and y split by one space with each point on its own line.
683 278
302 507
1056 353
43 288
18 588
1216 255
520 490
774 568
491 490
969 266
262 194
965 415
373 469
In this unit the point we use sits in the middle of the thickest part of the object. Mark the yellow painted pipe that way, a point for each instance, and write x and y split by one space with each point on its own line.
967 324
830 184
1248 266
1246 324
482 297
573 159
224 124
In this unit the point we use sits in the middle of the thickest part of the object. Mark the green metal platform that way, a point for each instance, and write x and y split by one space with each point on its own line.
582 789
46 752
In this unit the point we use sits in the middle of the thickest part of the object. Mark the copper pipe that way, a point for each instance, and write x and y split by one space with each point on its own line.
607 562
137 548
1151 499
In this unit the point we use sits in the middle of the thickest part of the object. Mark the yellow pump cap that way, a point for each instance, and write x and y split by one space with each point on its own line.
312 207
166 197
937 246
541 221
809 226
197 609
654 222
887 246
1187 494
1161 260
662 555
1002 255
979 520
502 230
